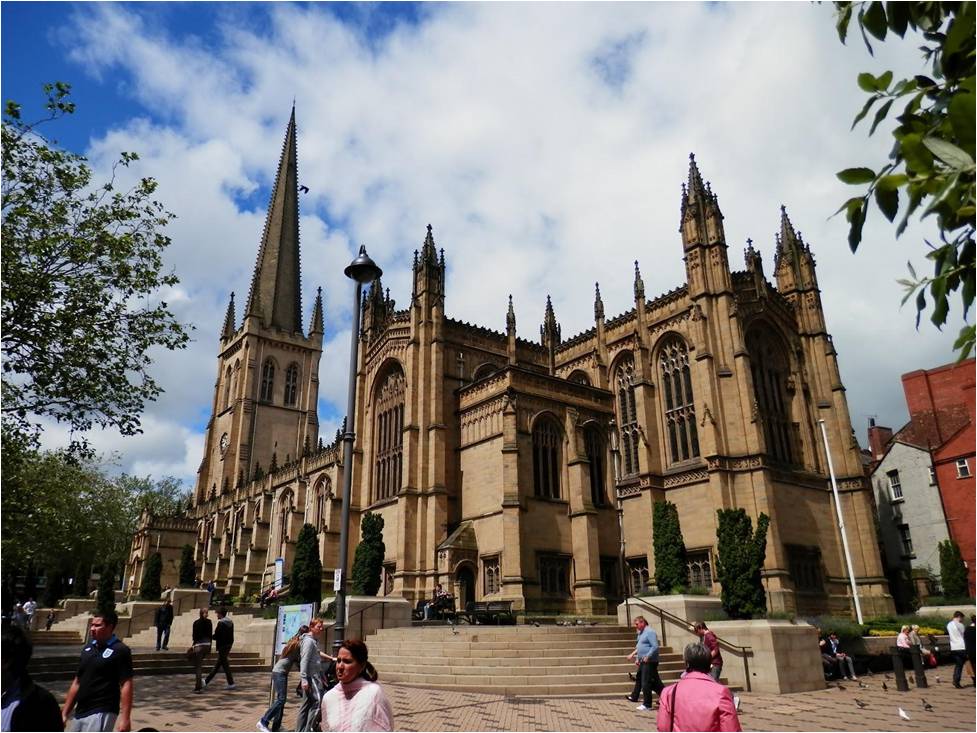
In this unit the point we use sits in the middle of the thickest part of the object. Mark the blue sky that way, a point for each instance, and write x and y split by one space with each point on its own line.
546 143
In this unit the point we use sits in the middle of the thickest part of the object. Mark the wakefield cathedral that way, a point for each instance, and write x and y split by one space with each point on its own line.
524 470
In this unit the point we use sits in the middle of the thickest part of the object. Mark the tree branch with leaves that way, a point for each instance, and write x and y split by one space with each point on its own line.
930 169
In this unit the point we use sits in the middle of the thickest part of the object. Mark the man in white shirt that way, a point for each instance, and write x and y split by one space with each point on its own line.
30 608
958 647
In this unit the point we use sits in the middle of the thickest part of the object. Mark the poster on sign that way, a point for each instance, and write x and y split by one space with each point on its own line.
290 618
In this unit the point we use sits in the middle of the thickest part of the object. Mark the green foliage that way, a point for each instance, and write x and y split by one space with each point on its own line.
307 567
188 568
30 581
931 169
953 572
79 586
950 601
671 572
741 553
151 587
366 576
105 598
81 279
59 504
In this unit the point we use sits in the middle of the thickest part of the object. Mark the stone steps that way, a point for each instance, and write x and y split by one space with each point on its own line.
514 660
181 632
56 638
63 667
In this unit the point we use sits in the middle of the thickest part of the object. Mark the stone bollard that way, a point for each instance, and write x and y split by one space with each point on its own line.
898 670
918 671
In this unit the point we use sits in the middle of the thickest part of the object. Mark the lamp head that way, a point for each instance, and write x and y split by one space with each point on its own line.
363 269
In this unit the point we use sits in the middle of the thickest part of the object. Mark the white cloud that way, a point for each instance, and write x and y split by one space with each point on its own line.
496 123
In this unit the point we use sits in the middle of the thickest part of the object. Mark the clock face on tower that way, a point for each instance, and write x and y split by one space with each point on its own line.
225 441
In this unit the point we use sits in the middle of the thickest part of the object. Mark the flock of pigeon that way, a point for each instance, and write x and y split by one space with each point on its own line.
861 704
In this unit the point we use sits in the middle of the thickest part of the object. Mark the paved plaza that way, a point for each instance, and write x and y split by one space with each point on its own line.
167 703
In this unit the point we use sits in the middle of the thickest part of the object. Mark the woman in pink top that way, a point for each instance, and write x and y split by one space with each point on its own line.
903 639
697 702
357 703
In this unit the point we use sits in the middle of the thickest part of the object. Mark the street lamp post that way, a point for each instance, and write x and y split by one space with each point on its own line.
362 271
841 523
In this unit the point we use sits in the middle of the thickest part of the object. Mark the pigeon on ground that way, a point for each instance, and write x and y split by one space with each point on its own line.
862 685
885 688
536 623
937 679
579 622
904 715
841 687
926 706
861 705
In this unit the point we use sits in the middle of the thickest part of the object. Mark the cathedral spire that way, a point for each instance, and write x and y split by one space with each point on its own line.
429 269
789 242
275 295
510 318
229 319
598 304
316 325
639 284
550 330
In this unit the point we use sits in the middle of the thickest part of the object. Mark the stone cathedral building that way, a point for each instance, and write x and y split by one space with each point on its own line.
514 468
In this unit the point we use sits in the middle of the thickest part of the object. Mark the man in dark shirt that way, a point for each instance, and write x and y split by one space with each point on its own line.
223 640
163 620
102 690
203 633
26 706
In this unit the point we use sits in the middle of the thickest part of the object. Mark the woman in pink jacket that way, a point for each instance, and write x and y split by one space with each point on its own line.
697 702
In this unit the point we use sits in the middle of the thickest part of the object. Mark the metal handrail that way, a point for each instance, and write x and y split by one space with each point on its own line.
664 615
383 616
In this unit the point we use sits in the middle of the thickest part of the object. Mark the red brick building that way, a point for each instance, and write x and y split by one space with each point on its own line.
941 415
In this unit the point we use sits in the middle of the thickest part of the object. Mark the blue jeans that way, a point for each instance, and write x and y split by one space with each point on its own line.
273 716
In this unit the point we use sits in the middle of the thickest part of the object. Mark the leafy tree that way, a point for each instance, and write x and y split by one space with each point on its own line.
30 581
671 571
188 568
151 587
81 277
79 586
366 575
953 572
105 598
306 578
930 170
165 497
741 553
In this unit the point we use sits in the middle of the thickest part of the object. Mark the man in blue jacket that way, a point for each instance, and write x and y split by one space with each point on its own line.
645 655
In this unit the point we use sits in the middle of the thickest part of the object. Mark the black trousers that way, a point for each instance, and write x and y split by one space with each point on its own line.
222 661
162 637
647 680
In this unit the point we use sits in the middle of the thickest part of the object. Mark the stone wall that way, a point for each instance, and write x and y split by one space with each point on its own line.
783 656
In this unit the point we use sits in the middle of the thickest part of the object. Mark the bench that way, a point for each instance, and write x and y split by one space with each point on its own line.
441 608
489 612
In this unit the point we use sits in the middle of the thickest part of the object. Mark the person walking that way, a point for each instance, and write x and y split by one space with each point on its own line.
710 642
645 655
223 640
26 706
163 620
101 693
49 622
202 635
357 703
970 645
30 608
958 646
272 719
697 702
310 671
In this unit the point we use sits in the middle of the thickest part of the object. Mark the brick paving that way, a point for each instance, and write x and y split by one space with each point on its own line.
166 703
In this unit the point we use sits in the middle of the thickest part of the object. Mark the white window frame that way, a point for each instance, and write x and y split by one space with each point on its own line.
962 464
932 475
895 486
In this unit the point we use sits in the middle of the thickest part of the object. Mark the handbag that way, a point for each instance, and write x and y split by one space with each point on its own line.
671 713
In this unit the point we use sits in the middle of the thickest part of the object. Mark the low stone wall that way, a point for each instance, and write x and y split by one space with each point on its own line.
366 614
783 657
945 611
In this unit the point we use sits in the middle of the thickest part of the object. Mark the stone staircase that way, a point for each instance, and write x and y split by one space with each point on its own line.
64 667
514 660
57 637
181 632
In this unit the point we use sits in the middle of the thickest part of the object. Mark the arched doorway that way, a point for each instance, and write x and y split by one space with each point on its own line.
465 578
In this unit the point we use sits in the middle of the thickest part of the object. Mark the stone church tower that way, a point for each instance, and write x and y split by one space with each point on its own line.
264 410
527 470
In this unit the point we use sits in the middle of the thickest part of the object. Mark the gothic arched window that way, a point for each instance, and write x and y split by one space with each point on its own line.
627 414
388 435
678 407
546 458
594 443
291 384
322 493
284 514
768 364
579 376
227 388
267 380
